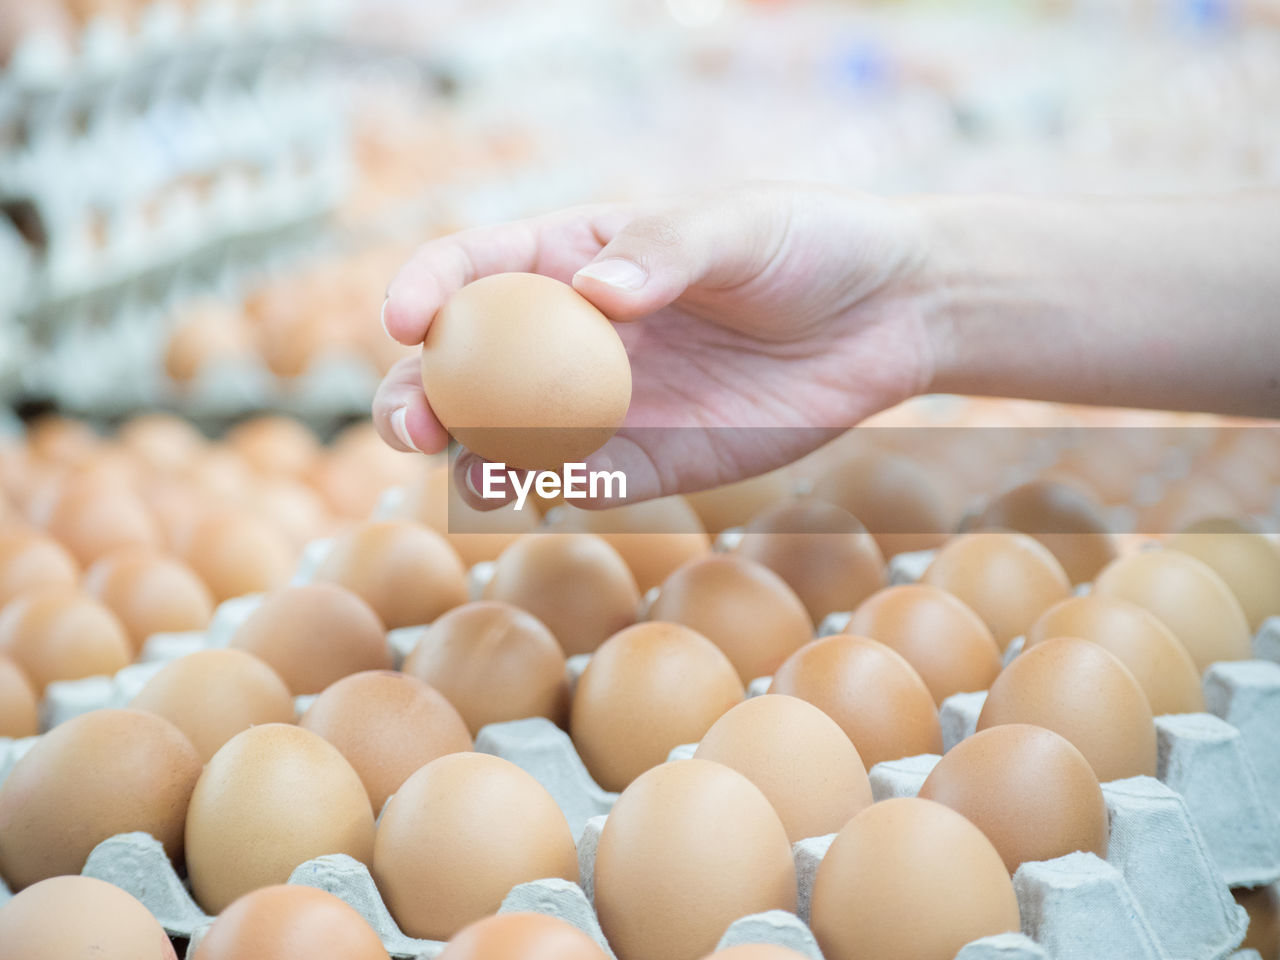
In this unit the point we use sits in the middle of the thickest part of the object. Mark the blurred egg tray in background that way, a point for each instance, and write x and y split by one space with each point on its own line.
1105 704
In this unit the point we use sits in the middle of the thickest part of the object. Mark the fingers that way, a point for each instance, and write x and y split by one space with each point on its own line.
401 414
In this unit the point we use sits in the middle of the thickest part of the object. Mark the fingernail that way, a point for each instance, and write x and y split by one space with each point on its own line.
617 273
470 481
400 427
382 317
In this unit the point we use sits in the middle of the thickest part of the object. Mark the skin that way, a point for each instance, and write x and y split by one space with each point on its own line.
810 308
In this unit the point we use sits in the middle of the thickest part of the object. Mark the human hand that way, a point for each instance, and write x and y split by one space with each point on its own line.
760 322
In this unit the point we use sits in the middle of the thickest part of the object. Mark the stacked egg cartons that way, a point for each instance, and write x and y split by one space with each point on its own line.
1172 805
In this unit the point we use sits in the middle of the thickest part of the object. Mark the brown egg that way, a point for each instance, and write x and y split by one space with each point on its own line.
313 634
909 878
473 816
289 923
736 504
875 696
235 553
1155 657
743 607
756 951
56 633
96 775
494 662
275 445
477 535
1263 907
1062 518
19 706
524 370
1247 562
65 917
161 441
1028 789
387 725
295 509
150 592
1187 597
801 760
212 695
654 537
945 641
406 572
1008 579
206 335
62 439
222 474
1078 689
30 560
820 550
91 520
697 845
893 497
522 936
575 583
272 798
649 688
1184 502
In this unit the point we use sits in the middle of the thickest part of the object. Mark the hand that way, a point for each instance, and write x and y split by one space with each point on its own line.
763 320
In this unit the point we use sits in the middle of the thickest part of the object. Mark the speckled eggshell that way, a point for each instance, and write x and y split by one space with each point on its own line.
1028 789
1078 689
909 878
797 756
743 607
72 917
289 923
458 835
522 936
493 662
688 848
272 798
871 692
96 775
649 688
58 633
1155 657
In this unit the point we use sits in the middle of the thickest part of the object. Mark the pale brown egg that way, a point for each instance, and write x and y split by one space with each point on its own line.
19 705
91 520
235 553
736 504
96 775
275 445
1028 789
207 333
357 469
477 535
1185 502
934 631
575 583
1155 657
797 756
494 662
289 922
313 634
820 550
1263 906
177 505
1078 689
473 816
29 560
695 844
756 951
62 439
897 500
222 475
272 798
524 370
1187 597
649 688
1062 518
406 572
1008 579
743 607
387 725
70 916
654 537
57 633
909 878
522 936
296 509
1247 562
875 696
150 591
161 441
211 695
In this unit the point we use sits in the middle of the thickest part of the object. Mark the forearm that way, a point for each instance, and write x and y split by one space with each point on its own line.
1158 303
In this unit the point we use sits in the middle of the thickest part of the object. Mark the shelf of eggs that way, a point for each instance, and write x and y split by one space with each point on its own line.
153 150
1123 812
